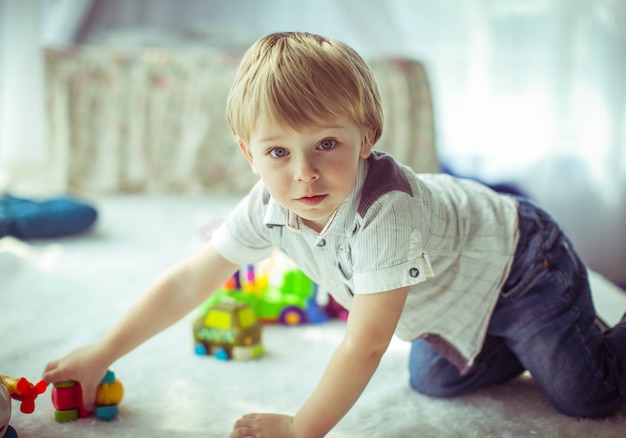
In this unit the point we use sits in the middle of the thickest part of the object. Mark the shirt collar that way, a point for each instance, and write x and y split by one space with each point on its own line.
341 222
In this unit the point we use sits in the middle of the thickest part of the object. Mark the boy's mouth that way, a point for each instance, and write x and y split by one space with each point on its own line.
311 200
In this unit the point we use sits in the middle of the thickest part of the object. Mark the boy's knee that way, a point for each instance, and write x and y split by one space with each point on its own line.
591 410
430 385
432 375
583 399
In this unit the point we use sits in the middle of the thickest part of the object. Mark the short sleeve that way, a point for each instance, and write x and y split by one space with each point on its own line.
388 251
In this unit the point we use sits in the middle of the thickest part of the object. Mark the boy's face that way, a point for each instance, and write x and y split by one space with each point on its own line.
310 172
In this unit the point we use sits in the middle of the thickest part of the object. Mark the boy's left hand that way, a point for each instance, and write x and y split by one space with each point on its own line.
263 426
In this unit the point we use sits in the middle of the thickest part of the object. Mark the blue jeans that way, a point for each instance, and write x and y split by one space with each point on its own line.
544 322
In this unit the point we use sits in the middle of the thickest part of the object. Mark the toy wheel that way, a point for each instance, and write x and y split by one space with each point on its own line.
292 316
107 413
247 353
221 354
63 416
200 349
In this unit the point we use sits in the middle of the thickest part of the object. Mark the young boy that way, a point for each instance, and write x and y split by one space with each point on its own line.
484 285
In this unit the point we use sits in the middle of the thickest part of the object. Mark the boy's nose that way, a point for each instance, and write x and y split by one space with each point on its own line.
306 171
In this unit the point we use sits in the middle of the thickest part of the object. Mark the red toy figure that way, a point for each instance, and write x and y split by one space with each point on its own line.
21 390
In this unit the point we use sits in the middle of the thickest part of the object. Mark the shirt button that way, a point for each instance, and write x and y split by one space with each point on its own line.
321 243
414 272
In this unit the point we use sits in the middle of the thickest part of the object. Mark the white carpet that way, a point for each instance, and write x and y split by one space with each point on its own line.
58 295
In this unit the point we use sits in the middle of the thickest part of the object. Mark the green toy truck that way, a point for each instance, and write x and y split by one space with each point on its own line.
228 329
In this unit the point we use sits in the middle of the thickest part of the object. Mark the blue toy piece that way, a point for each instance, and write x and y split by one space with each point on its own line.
315 313
221 354
106 413
201 350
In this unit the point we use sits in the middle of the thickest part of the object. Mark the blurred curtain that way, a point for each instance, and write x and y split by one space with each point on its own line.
22 128
526 91
27 165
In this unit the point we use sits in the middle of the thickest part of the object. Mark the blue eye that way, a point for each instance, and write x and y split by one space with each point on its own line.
278 153
327 144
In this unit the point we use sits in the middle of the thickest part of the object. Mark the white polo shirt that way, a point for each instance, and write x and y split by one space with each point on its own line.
451 240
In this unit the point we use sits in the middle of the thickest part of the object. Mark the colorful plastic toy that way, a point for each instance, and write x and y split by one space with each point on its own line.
67 398
228 330
336 310
276 290
21 390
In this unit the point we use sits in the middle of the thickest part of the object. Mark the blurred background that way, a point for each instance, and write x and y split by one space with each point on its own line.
525 92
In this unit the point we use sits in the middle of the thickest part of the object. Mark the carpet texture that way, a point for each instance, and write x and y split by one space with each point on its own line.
57 295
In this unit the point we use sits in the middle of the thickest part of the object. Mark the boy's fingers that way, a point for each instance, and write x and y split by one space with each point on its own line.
51 365
89 396
51 373
88 390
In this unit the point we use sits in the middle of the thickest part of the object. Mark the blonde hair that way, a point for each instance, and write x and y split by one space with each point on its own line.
300 79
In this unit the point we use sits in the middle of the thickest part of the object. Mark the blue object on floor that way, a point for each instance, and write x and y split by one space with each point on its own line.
55 217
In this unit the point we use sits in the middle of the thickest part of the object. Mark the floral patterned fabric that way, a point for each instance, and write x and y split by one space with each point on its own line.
153 119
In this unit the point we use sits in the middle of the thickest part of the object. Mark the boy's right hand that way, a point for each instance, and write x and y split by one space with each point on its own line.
81 365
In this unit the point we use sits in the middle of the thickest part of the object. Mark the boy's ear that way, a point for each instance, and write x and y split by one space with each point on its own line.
246 153
368 142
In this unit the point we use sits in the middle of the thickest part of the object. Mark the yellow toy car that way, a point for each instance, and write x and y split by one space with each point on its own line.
228 330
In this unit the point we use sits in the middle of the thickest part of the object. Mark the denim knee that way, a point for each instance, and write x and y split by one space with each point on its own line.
591 410
430 374
433 386
582 399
